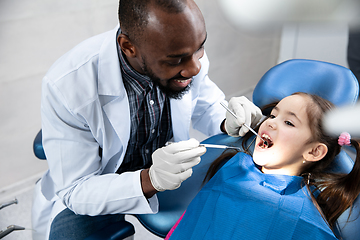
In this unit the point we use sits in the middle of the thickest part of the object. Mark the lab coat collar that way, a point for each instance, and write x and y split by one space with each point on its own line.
110 80
113 94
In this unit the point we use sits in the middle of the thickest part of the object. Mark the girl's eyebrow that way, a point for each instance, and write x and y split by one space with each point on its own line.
288 113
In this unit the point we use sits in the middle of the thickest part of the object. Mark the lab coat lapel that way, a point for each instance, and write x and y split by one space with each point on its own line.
118 113
115 102
181 117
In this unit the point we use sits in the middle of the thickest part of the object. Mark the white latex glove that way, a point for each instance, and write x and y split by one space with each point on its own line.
246 111
173 164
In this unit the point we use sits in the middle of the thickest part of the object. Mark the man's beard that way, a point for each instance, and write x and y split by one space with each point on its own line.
165 89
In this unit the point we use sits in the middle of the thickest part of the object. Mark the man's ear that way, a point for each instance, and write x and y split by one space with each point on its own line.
126 45
316 153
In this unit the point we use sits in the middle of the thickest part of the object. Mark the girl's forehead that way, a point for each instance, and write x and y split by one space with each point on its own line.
294 102
294 105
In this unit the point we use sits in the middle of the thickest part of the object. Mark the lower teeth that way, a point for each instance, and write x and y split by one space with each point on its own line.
264 145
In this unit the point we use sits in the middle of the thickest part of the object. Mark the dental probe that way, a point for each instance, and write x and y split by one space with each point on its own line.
218 146
209 145
252 130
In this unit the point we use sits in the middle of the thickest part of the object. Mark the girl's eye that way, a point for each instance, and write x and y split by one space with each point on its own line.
271 116
289 123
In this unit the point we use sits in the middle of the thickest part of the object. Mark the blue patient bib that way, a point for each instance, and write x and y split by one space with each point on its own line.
240 202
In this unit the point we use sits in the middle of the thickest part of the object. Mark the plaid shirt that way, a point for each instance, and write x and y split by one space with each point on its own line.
149 115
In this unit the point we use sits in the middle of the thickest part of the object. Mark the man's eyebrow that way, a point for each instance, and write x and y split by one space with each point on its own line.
186 54
202 44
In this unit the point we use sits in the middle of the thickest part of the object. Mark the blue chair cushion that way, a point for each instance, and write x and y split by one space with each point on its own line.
330 81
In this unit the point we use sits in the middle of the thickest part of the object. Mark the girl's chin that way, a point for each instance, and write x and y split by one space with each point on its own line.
258 160
262 158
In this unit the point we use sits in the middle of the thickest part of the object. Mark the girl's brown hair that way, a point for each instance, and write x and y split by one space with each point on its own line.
337 191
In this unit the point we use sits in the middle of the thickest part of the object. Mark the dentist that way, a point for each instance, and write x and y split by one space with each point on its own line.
108 107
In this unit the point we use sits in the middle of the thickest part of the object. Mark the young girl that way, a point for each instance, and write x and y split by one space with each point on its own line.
283 191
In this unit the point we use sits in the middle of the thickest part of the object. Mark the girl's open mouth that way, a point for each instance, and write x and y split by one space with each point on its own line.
268 143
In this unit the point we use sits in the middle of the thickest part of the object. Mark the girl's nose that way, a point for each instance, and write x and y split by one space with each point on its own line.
271 123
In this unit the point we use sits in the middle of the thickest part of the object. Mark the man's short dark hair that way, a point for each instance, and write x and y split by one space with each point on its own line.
133 14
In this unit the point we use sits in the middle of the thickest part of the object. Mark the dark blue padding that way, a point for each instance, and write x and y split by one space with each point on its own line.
349 227
115 231
330 81
38 147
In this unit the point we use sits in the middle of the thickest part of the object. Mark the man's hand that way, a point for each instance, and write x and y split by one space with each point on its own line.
173 164
246 112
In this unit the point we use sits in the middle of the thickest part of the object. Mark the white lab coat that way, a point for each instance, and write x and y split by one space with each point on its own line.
85 106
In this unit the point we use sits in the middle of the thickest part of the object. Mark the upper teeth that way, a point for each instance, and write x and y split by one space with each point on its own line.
265 136
182 81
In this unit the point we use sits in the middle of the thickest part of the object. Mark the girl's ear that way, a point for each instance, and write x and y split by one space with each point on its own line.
126 45
316 153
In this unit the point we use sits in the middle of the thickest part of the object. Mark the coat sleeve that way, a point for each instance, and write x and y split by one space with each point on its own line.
208 113
75 167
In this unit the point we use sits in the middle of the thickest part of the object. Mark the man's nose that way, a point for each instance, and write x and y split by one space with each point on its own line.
191 68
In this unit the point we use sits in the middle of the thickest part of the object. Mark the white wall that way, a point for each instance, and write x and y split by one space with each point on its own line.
33 34
322 41
238 57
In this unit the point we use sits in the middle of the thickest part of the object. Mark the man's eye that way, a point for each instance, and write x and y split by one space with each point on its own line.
174 63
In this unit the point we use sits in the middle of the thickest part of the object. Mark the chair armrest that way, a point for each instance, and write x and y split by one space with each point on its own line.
115 231
38 147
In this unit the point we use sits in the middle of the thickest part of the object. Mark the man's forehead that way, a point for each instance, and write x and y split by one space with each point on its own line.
175 33
166 21
180 53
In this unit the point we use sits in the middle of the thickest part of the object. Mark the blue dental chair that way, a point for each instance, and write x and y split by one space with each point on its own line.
330 81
